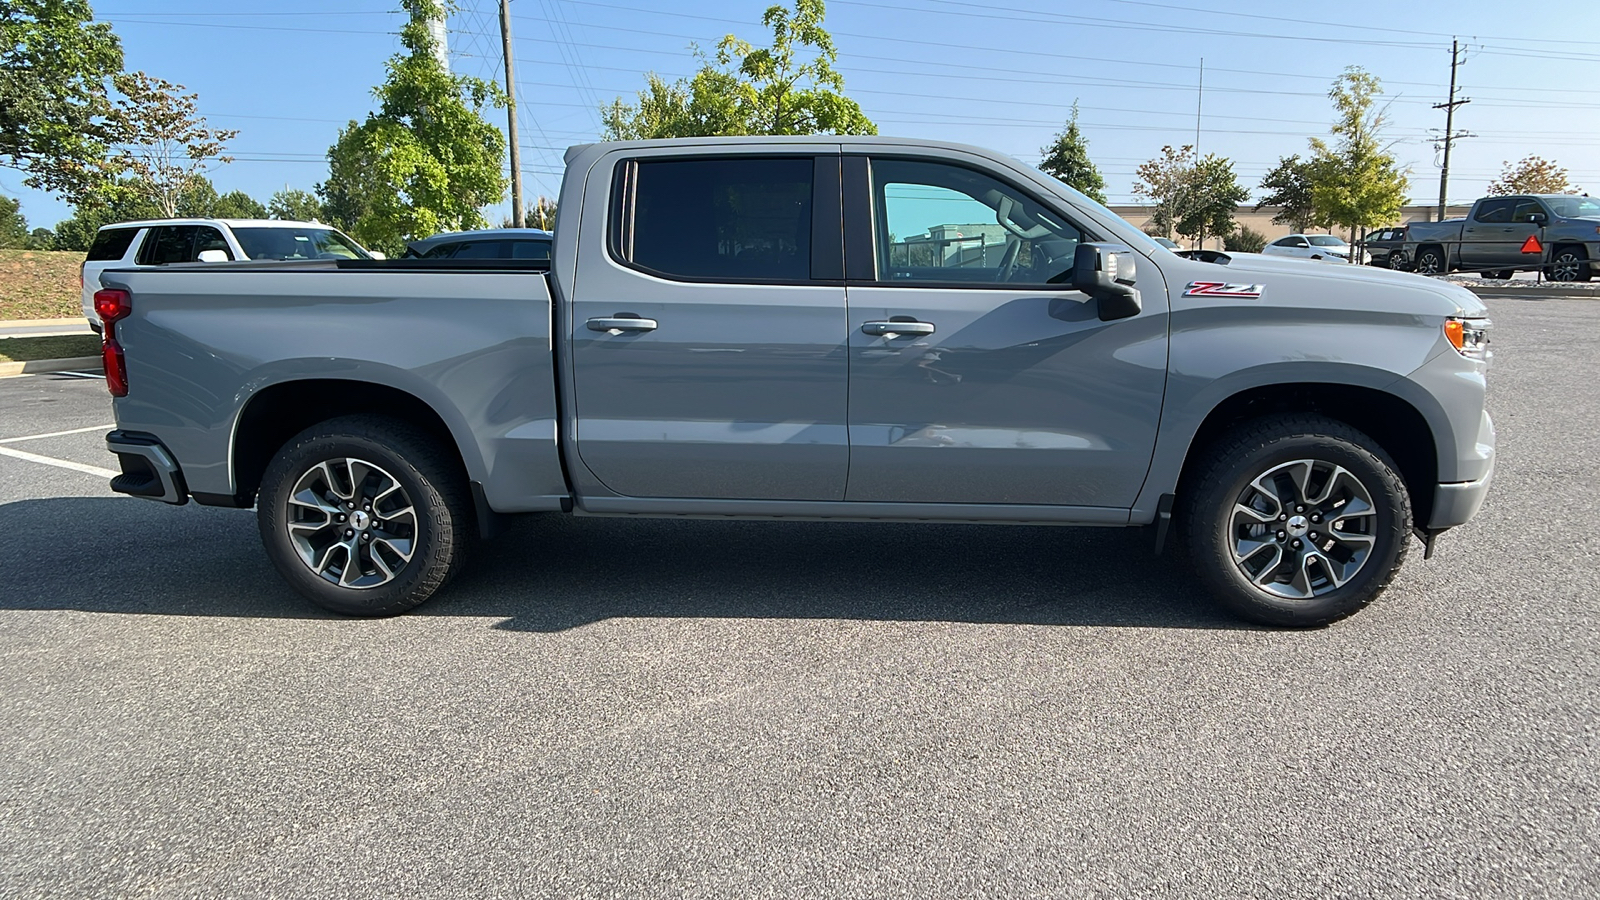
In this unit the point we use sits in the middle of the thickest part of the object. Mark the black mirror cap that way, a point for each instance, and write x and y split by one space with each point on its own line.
1107 273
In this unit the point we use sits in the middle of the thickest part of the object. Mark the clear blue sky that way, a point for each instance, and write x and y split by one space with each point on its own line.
1003 74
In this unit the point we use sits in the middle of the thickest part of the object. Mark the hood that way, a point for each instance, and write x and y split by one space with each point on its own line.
1288 280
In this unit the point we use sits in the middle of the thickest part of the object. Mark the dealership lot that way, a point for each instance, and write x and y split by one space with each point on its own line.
647 708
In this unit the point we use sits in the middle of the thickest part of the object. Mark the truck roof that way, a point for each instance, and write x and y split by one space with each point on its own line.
231 223
874 140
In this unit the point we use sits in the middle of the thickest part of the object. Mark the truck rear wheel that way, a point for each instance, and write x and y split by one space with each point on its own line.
364 515
1296 520
1430 261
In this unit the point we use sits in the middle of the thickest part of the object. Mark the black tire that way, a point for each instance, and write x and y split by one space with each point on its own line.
1430 261
430 483
1399 262
1569 264
1208 519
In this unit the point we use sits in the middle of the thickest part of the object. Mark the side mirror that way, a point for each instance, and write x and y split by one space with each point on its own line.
1538 218
1107 273
213 256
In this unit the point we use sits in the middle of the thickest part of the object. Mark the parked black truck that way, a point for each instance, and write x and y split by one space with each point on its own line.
1494 238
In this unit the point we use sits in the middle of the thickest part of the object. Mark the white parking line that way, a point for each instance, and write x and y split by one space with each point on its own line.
58 463
51 434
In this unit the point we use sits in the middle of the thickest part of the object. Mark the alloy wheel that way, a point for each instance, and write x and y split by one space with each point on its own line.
351 523
1302 528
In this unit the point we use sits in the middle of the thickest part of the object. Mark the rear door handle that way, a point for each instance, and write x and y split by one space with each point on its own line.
622 322
895 329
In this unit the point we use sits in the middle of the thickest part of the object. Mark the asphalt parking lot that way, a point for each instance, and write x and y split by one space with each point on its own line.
694 709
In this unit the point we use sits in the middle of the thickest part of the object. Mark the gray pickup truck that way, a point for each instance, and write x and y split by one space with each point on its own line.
860 329
1494 238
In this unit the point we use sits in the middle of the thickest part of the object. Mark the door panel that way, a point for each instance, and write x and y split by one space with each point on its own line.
739 390
1486 233
1020 394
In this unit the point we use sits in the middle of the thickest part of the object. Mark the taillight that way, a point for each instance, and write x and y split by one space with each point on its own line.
111 306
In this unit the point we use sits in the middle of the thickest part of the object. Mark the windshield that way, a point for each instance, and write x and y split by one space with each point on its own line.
297 243
1573 207
1325 240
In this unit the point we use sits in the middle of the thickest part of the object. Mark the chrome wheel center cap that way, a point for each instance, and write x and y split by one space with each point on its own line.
1298 526
359 520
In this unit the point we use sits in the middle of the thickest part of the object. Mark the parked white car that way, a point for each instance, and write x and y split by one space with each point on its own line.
161 242
1328 247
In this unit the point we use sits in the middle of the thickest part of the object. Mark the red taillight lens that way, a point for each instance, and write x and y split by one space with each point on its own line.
116 367
111 305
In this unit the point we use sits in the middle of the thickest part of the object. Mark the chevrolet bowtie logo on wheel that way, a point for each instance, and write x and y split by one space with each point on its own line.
1220 289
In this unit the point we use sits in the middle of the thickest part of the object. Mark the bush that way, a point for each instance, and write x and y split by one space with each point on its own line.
1245 240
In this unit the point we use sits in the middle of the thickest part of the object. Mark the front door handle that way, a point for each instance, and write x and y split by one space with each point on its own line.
621 322
895 329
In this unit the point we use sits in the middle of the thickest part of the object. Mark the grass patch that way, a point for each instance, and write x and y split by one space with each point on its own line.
40 284
61 346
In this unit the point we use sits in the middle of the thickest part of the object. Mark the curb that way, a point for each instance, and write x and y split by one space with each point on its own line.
1532 293
78 322
44 366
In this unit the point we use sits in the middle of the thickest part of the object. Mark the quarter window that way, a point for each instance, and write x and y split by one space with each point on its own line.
729 219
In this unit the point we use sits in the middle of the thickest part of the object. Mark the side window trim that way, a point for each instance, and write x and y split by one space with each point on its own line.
623 204
861 211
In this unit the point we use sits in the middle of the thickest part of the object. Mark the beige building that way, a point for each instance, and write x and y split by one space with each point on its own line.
1261 221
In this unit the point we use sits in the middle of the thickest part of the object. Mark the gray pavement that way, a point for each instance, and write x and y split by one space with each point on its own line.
717 709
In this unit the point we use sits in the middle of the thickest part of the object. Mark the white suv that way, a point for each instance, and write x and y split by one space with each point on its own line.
163 241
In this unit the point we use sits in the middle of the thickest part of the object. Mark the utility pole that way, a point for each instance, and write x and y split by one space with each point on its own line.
517 218
1450 136
1199 98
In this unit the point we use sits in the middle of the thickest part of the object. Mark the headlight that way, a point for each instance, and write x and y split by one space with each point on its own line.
1470 337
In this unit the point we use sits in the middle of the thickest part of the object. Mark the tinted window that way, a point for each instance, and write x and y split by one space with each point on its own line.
1525 210
111 243
296 243
209 239
480 250
1326 240
530 249
942 223
1286 242
442 251
723 219
167 244
1495 211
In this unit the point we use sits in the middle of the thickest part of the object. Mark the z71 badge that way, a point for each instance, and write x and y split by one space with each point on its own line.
1219 289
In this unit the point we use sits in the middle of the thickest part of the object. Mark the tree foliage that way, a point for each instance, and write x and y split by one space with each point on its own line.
121 204
1067 158
161 143
295 206
1356 182
1192 197
426 161
790 87
543 214
1532 175
1289 187
55 61
238 205
1244 240
13 225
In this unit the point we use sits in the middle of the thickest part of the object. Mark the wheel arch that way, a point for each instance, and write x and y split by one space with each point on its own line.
1395 424
277 412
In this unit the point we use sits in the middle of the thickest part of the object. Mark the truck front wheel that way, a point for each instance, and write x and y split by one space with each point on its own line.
1296 520
1569 264
364 515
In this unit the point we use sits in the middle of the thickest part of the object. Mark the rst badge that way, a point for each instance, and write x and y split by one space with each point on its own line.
1221 289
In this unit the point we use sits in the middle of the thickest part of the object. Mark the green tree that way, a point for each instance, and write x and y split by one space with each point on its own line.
1245 240
1193 197
426 161
55 61
238 205
1532 175
1356 182
41 239
121 203
543 214
161 144
1288 186
13 226
1067 158
790 87
295 206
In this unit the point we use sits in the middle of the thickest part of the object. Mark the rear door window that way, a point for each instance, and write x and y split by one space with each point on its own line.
737 219
480 250
1495 211
167 244
530 249
111 244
